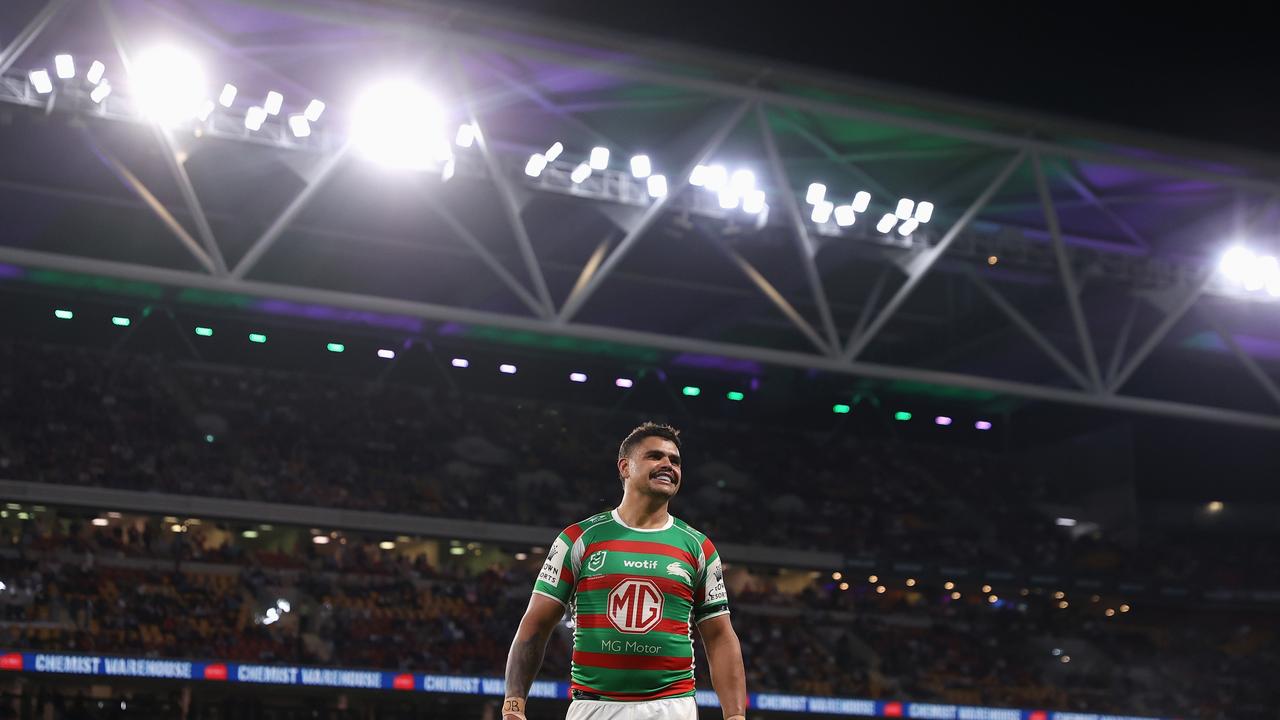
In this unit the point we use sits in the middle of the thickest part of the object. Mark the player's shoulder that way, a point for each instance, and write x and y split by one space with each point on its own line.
582 527
697 535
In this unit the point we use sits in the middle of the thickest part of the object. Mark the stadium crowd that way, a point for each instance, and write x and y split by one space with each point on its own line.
79 417
134 587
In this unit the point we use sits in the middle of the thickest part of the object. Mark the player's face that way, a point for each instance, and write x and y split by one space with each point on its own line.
653 468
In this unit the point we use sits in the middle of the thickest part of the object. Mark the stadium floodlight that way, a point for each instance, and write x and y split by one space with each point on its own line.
450 167
121 321
168 84
460 362
841 409
399 124
228 95
334 347
554 151
577 377
599 158
65 65
254 118
320 539
717 178
691 390
258 338
886 223
206 109
657 185
942 420
40 81
251 534
274 102
1065 522
466 136
734 395
902 416
924 212
386 354
537 163
623 382
387 545
822 211
299 126
507 369
816 193
728 199
908 227
1271 275
101 522
204 331
1235 262
314 110
845 215
982 425
580 173
1215 506
861 201
96 71
641 167
905 207
63 314
742 181
697 178
100 93
283 605
753 203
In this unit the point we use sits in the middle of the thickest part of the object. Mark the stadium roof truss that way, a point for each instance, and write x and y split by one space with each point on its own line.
1062 262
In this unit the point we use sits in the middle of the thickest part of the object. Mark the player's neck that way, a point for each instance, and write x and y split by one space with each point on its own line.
644 513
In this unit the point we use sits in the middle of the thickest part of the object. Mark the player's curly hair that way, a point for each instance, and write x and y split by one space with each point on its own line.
645 430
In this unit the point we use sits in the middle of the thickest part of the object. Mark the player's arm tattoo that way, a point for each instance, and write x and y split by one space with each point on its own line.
524 661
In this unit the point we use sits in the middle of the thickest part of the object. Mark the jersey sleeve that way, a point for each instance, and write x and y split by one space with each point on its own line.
559 571
710 598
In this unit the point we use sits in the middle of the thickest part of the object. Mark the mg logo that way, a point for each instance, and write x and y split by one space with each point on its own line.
635 605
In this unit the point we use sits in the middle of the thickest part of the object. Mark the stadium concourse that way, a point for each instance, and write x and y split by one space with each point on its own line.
320 320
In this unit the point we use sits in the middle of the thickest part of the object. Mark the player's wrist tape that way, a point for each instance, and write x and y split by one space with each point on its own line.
513 706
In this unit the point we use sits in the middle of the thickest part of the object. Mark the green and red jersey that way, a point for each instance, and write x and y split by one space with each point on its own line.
634 594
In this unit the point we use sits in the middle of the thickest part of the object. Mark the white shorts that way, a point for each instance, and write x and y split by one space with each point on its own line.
682 708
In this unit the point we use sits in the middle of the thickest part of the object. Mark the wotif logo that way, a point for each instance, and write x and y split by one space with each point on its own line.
635 605
641 564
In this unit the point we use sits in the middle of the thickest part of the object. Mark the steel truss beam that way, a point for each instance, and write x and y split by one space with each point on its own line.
172 161
925 260
674 187
10 54
671 343
1067 275
804 245
507 194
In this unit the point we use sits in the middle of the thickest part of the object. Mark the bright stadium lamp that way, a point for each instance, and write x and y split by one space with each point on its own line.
845 215
96 71
398 124
65 66
861 201
1235 263
168 84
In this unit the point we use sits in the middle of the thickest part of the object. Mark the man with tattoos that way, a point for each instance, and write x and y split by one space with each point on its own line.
634 578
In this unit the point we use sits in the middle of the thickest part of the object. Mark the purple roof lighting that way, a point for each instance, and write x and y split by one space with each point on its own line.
9 272
715 362
332 314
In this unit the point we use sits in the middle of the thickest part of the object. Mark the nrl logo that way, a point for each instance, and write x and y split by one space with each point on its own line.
676 569
596 561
